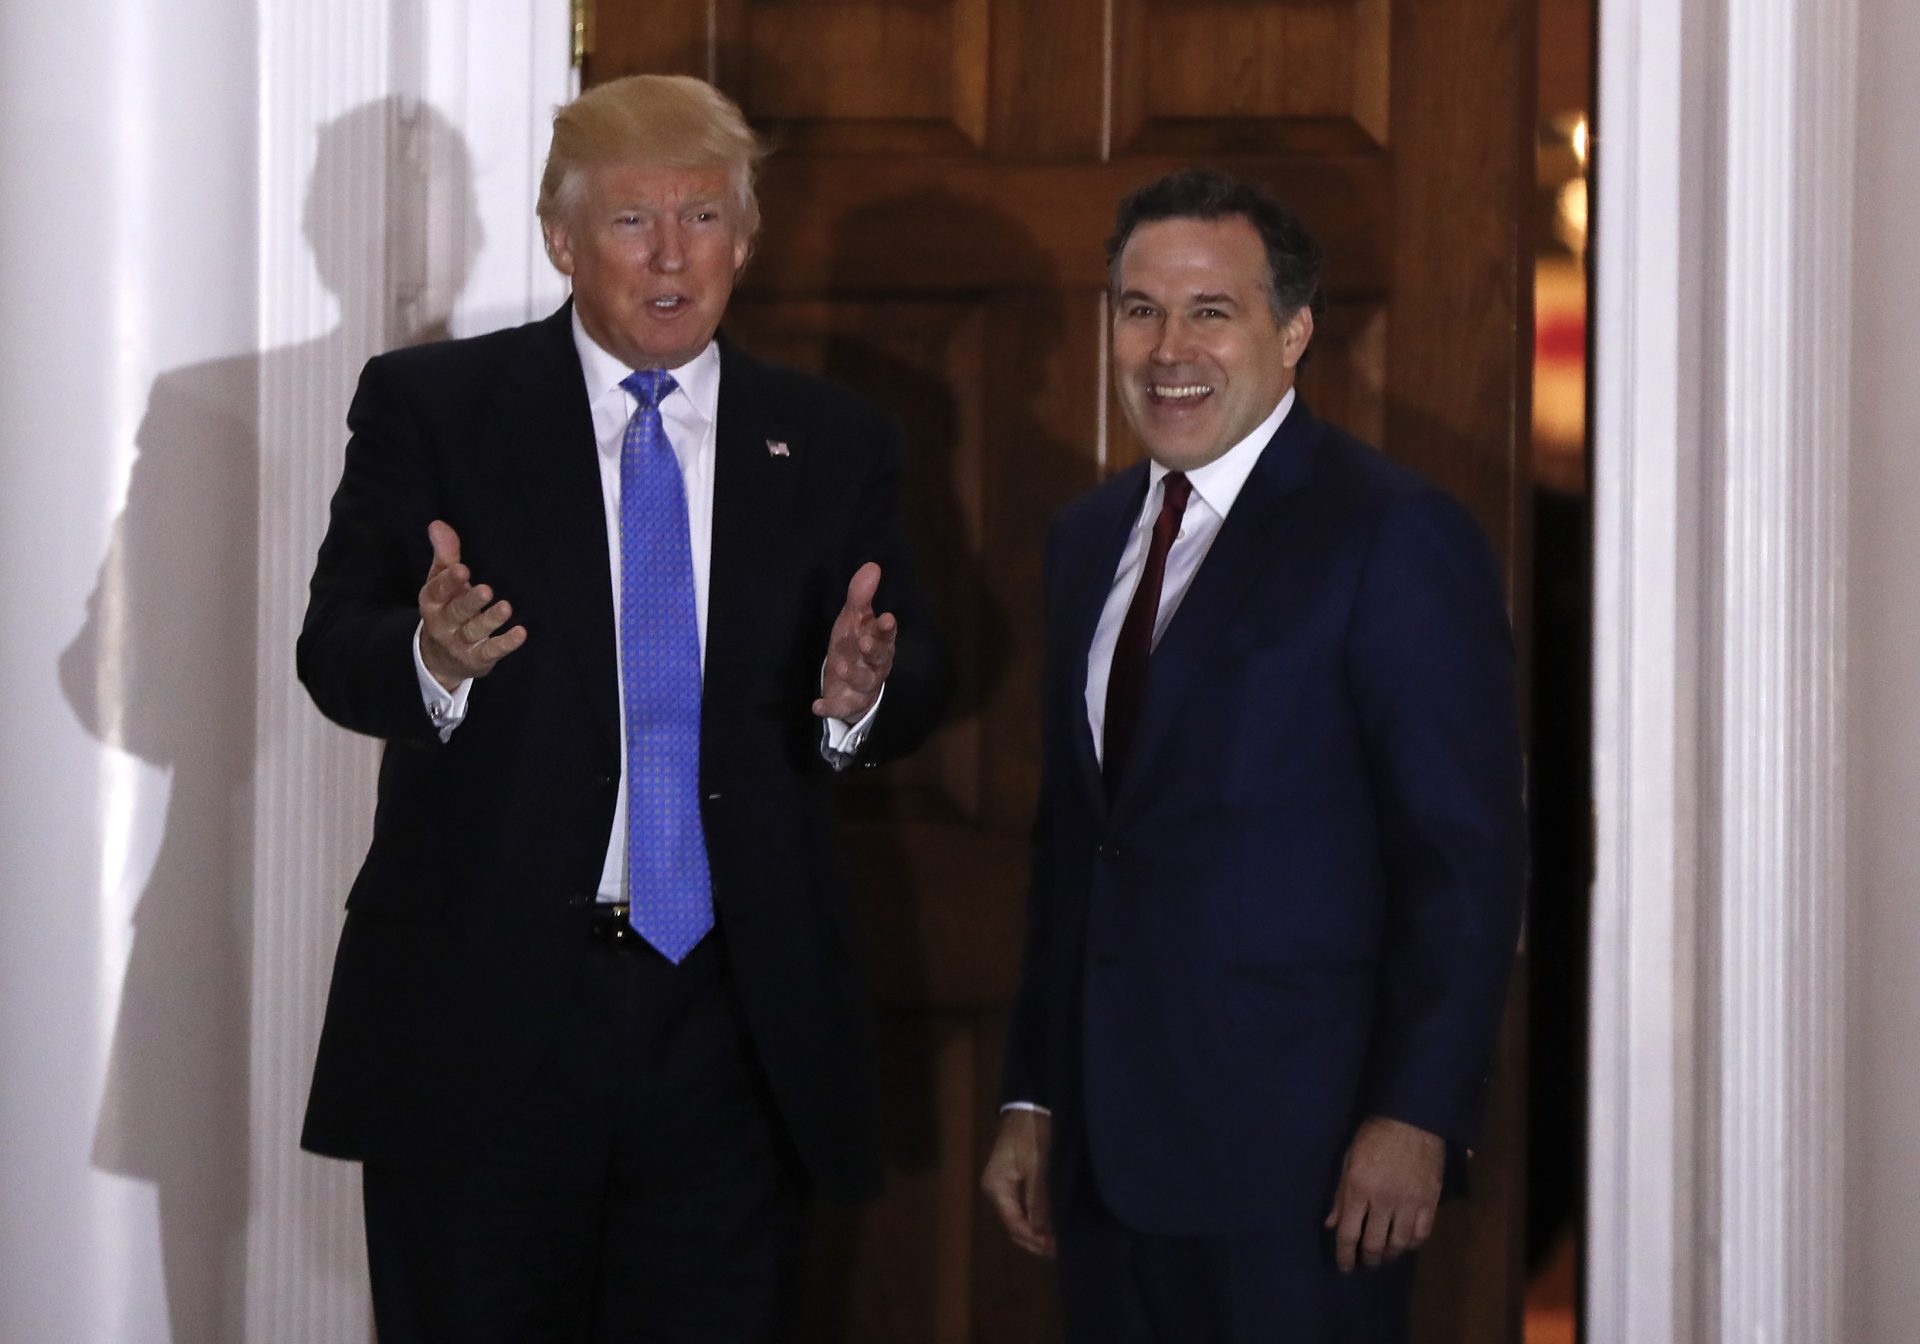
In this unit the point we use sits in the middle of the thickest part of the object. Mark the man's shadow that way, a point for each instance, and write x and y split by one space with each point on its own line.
965 376
164 668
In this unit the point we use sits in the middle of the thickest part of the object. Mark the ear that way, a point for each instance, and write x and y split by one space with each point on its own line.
559 247
1299 332
742 249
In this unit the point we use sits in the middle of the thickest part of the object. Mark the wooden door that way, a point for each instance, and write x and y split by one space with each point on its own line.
944 175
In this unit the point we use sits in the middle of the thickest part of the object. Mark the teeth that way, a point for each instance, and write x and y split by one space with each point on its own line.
1179 393
673 302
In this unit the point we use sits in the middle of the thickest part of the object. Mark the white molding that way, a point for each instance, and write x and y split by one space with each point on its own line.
1725 161
1646 435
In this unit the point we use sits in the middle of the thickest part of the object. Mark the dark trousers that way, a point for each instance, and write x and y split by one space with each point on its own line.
1119 1286
641 1190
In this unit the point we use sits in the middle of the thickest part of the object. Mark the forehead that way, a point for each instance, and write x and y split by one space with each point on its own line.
1174 256
641 183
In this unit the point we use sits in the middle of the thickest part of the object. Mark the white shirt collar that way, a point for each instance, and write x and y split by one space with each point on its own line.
698 380
1218 483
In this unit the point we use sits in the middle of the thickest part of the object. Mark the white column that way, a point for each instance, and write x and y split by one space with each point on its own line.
1725 183
403 140
1782 439
329 232
127 148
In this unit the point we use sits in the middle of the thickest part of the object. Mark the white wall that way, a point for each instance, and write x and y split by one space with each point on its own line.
211 212
1883 1062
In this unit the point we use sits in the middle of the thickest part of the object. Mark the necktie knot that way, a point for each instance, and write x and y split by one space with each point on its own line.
1178 490
650 387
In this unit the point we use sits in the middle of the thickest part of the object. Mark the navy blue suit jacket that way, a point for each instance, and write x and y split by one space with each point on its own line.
1301 905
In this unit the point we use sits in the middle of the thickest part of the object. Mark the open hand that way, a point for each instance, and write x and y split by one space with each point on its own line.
458 619
859 652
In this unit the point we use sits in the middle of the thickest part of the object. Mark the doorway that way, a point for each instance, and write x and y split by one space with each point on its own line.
945 172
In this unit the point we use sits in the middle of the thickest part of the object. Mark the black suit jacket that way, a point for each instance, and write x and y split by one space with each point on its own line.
469 918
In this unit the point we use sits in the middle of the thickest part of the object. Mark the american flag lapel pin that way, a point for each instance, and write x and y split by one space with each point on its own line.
777 448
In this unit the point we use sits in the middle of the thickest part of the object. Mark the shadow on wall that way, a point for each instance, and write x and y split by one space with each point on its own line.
968 376
164 668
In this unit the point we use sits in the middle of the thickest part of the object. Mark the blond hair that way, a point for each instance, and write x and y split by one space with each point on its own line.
666 121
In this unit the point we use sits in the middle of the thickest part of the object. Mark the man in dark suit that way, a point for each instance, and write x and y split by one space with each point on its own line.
1277 864
608 588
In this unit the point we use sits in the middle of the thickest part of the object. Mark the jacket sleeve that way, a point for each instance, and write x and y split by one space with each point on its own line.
354 653
921 682
1024 1074
1431 670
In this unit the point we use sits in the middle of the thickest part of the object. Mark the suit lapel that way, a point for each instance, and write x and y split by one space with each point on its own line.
754 493
1084 596
546 430
1258 524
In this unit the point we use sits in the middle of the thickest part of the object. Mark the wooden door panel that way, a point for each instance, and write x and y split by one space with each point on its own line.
1233 78
880 76
945 173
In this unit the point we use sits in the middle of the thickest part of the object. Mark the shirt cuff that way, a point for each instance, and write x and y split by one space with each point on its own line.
1033 1106
445 708
842 741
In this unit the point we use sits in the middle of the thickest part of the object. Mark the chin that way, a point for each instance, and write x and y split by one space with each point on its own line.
1181 456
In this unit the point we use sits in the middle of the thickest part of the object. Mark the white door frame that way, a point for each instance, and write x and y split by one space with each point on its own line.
1724 167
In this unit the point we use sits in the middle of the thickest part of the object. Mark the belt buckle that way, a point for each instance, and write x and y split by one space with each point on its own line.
611 928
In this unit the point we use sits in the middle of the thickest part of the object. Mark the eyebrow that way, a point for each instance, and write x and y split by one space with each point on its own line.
1136 296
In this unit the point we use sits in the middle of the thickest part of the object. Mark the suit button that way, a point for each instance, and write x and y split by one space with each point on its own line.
1107 851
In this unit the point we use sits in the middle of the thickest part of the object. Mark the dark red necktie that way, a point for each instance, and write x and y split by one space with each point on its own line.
1127 678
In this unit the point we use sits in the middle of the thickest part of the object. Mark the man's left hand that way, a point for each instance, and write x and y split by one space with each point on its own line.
1388 1191
859 652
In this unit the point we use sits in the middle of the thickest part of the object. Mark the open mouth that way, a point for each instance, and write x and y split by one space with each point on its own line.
1178 395
669 304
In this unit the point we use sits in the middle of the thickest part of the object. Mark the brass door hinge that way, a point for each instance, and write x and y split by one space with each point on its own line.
582 32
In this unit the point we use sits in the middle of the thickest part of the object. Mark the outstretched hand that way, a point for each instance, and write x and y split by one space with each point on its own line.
1388 1191
458 619
859 652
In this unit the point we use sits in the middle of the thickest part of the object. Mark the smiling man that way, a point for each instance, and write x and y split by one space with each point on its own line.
1277 862
620 600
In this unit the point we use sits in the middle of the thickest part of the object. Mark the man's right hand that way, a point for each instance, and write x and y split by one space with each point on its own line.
1015 1179
458 619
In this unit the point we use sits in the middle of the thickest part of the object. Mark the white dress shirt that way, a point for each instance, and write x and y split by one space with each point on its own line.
689 414
1215 487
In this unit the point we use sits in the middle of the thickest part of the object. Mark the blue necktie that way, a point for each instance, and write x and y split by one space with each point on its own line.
669 890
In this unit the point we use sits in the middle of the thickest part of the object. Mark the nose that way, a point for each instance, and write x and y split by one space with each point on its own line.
1174 344
669 250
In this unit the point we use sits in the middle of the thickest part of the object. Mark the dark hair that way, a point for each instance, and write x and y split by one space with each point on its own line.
1293 258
